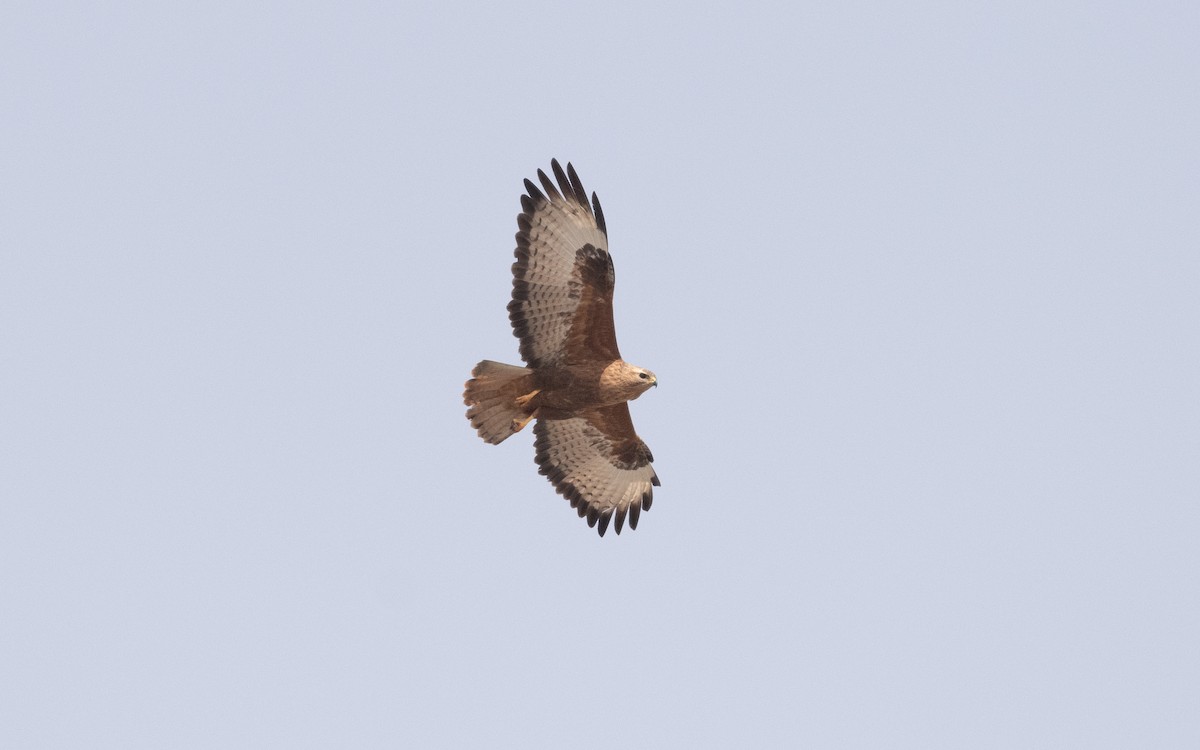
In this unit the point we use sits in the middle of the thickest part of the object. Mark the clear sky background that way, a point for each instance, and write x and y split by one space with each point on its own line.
921 283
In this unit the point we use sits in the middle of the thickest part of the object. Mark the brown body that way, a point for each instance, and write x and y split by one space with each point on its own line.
588 385
504 398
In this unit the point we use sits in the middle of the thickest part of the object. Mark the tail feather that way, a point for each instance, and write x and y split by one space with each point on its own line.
491 395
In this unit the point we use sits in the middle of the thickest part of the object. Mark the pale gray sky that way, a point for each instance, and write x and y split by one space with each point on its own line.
921 282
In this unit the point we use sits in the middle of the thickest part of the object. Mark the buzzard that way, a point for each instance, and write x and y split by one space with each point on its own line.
575 383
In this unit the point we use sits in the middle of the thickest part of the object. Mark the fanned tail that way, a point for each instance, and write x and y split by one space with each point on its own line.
491 397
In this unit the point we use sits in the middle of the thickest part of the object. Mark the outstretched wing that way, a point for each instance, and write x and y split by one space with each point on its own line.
561 307
596 460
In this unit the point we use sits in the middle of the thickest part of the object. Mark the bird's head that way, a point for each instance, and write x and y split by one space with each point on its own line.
647 378
640 380
625 382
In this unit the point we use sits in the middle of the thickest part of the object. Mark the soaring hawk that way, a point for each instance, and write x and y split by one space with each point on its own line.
575 383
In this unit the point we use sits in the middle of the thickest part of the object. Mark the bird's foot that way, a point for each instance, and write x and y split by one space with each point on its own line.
524 400
519 423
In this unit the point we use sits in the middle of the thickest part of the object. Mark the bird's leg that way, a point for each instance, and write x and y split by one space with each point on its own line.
524 400
519 423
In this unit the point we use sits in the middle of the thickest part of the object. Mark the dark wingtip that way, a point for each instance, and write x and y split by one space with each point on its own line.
621 519
635 512
604 519
533 190
577 186
599 214
548 185
564 184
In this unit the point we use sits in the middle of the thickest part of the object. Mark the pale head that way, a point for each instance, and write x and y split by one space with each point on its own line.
622 381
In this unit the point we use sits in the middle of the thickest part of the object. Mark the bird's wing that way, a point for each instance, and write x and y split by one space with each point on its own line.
561 307
597 461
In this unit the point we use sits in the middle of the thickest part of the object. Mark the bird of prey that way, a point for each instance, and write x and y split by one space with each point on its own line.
574 382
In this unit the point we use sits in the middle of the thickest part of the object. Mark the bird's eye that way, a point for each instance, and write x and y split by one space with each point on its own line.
643 375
